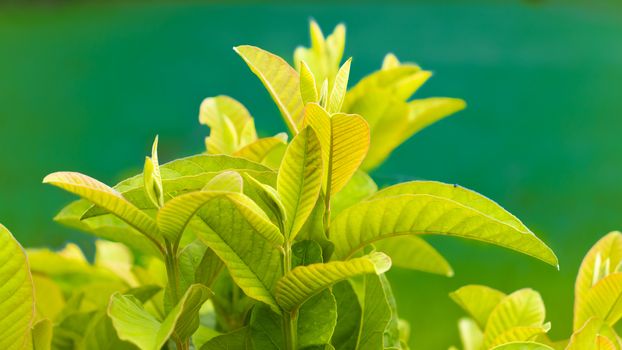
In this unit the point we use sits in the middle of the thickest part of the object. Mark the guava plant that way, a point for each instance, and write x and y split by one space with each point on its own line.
517 321
257 243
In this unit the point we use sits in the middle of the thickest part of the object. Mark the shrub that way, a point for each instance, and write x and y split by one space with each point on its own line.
257 243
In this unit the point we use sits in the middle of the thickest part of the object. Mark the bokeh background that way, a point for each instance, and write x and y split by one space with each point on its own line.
86 87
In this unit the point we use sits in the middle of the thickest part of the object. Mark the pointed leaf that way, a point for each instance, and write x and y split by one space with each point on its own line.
228 121
520 334
603 300
478 301
268 151
470 334
152 178
280 79
412 252
299 180
586 337
305 281
604 258
349 314
388 216
107 198
344 139
340 85
42 335
523 308
17 308
227 181
134 324
308 88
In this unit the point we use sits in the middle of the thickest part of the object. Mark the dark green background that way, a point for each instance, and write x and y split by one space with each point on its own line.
87 87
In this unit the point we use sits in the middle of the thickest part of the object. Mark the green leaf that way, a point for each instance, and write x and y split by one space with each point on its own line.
390 61
587 335
339 87
432 208
308 87
478 301
231 125
228 181
107 198
245 240
317 319
349 314
268 150
134 324
324 55
392 331
152 177
303 282
523 308
101 335
412 252
345 141
361 186
198 264
17 306
470 334
299 180
522 346
604 258
281 81
425 112
376 314
42 335
520 334
238 339
603 300
266 329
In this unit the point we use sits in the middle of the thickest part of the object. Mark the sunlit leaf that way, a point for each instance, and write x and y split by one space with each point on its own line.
107 198
305 281
231 125
42 335
152 177
471 335
299 180
522 346
339 87
17 307
324 55
308 87
520 334
586 336
268 151
136 325
478 301
604 258
344 139
473 217
603 300
281 81
523 308
228 181
361 186
238 339
412 252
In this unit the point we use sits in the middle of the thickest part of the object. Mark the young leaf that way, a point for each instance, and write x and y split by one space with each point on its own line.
281 81
344 139
134 324
470 334
227 181
604 258
17 306
305 281
390 61
520 334
603 300
385 217
338 91
477 301
522 346
107 198
231 125
246 241
324 55
268 151
152 177
523 308
42 335
412 252
299 180
308 87
585 337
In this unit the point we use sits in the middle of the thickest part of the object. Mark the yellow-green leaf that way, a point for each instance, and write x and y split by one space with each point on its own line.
603 300
586 337
308 87
152 177
478 301
339 87
470 334
42 335
470 215
523 308
390 61
412 252
304 282
520 334
281 81
523 346
268 151
345 141
604 258
231 125
324 55
299 180
228 181
134 324
107 198
17 305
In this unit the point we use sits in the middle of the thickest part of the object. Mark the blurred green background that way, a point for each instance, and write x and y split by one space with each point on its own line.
86 88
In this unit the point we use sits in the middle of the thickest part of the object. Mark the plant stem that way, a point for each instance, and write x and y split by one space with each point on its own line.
289 319
327 213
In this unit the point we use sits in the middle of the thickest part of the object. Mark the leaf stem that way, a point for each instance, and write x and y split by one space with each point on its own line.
289 318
